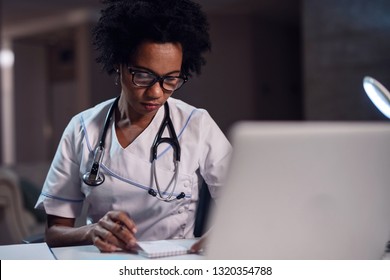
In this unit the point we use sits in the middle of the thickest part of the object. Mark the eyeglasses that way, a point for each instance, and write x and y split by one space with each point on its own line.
143 78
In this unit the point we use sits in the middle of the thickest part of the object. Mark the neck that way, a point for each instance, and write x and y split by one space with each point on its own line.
125 116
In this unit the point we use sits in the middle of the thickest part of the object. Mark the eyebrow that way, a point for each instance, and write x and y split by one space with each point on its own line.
152 72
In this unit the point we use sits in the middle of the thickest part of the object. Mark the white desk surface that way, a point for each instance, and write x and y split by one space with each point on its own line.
90 252
36 251
40 251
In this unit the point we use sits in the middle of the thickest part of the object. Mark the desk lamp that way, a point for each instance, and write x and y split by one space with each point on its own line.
378 94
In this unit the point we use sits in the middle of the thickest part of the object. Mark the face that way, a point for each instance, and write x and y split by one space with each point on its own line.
159 58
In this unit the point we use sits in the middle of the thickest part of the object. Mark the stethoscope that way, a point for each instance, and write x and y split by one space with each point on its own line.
95 178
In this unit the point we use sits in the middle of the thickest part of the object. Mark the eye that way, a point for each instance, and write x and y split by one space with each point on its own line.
143 78
171 81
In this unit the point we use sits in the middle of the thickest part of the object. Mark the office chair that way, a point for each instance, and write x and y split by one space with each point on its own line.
15 221
205 205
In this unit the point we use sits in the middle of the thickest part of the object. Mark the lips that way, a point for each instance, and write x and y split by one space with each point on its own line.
151 106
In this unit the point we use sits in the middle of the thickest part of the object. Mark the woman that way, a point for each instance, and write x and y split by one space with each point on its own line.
152 47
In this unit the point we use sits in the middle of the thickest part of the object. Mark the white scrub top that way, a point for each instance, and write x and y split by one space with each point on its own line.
205 154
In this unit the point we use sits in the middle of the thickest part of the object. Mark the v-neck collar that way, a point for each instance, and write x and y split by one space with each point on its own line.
146 136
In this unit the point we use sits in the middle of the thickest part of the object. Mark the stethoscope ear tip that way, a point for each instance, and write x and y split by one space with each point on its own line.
152 192
93 182
181 195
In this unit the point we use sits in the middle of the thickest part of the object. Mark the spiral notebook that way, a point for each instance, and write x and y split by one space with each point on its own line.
165 248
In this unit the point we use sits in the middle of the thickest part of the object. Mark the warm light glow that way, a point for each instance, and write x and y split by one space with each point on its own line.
378 94
7 113
7 58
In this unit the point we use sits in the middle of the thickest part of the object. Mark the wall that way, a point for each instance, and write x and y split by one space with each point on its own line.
226 86
278 70
1 93
52 83
253 71
30 102
1 105
344 40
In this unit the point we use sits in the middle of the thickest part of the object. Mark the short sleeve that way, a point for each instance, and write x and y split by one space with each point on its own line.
215 154
61 193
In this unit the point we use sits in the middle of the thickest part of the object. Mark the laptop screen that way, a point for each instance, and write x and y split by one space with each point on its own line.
308 190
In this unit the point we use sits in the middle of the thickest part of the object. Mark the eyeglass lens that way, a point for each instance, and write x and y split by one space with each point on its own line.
145 79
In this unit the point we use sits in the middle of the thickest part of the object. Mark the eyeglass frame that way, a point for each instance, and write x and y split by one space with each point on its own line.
156 78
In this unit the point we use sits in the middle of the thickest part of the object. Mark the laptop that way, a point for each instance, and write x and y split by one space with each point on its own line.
305 190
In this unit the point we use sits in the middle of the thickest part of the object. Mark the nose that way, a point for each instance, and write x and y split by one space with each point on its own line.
155 91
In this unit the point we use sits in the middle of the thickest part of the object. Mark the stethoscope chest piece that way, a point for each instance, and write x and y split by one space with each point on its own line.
87 178
94 178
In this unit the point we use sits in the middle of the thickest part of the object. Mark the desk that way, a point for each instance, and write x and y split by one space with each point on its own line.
90 252
35 251
40 251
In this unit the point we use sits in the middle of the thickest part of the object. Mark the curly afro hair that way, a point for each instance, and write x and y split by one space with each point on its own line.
124 24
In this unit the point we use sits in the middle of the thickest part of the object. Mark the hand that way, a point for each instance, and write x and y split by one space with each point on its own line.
115 230
199 245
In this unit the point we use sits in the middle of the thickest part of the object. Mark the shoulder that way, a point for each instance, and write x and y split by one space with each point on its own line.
193 121
91 119
185 112
95 114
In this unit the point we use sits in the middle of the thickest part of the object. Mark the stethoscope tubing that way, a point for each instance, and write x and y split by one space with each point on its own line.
95 178
128 181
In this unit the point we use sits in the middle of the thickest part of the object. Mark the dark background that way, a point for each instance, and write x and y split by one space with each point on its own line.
271 60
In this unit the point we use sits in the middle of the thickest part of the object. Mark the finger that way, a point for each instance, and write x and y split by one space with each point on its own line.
124 219
105 240
124 234
117 234
198 246
104 246
100 238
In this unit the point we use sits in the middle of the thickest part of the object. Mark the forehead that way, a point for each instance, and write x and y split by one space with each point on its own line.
159 57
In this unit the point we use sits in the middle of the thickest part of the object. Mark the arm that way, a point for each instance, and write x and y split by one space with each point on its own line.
61 232
115 230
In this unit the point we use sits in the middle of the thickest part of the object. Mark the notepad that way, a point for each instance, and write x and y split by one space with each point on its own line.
165 248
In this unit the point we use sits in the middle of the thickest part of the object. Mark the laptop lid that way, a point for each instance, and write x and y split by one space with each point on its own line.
308 190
